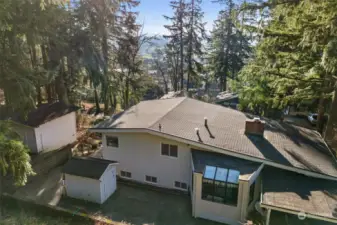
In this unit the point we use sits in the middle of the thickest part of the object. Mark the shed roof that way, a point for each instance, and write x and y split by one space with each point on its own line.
87 167
283 143
45 113
299 193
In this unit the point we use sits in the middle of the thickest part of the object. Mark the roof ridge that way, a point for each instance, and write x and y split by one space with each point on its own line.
175 106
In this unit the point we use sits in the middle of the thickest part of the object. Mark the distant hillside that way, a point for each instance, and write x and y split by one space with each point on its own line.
148 48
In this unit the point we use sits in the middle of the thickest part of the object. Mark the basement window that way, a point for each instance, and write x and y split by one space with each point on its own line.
151 179
220 185
169 150
125 174
112 141
180 185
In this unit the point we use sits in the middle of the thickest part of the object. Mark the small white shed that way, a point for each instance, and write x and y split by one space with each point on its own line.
90 179
49 127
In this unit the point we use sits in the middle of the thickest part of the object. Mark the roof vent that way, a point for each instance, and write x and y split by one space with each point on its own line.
198 134
255 126
205 118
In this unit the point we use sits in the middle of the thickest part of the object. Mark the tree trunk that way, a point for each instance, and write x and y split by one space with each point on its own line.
320 116
126 95
38 94
34 66
190 47
104 46
45 66
228 44
330 134
1 201
98 109
61 88
181 30
111 102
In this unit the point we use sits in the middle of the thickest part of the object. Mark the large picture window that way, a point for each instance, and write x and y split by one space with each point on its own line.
220 185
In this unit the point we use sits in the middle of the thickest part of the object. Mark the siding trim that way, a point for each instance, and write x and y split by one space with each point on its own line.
214 149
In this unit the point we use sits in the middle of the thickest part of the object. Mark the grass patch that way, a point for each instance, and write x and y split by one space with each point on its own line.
16 212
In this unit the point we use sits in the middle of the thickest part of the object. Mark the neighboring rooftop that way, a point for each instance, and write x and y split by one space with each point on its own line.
87 167
282 143
296 192
45 113
201 159
223 96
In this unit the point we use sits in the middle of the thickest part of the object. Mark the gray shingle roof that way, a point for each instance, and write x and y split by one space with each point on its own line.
297 192
87 167
282 143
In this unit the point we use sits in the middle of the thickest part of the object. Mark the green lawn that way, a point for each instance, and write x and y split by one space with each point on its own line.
16 213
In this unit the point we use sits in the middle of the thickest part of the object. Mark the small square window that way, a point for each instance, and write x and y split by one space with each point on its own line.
173 150
165 149
125 174
169 150
151 179
112 141
180 185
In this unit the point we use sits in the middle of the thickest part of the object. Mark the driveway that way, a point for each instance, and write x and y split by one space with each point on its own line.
138 205
44 188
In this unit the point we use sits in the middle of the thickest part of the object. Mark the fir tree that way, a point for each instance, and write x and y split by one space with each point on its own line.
195 38
229 48
177 34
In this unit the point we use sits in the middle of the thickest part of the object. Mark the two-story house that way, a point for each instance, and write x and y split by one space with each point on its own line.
229 162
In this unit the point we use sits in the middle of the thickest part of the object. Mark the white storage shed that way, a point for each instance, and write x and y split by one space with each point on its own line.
90 179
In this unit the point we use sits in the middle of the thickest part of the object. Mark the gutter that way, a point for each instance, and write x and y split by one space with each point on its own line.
214 149
280 209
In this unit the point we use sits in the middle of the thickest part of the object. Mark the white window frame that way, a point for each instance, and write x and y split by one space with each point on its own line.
160 147
179 188
151 179
120 173
106 141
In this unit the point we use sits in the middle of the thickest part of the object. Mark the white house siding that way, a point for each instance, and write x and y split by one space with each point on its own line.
215 211
140 154
56 133
28 136
83 188
108 184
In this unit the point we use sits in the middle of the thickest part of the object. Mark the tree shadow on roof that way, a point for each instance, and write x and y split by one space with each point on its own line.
267 149
313 190
110 123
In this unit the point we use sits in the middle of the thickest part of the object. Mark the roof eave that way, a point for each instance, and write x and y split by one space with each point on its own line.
296 212
215 149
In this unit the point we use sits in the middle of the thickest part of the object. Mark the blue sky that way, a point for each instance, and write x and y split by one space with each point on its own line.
151 14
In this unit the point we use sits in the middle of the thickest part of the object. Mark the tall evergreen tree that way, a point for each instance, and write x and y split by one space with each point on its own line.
196 35
293 59
229 48
178 34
